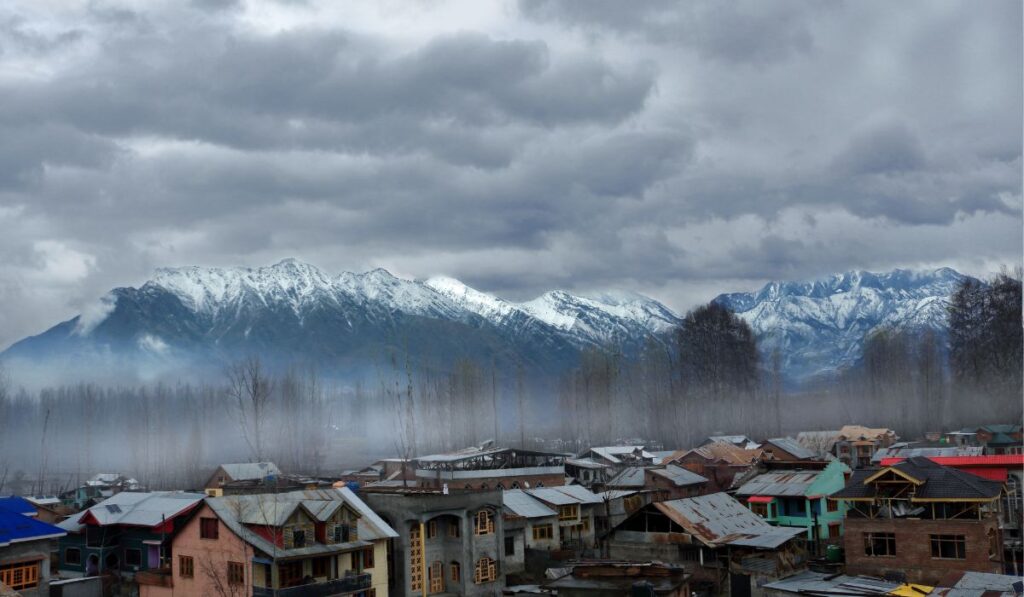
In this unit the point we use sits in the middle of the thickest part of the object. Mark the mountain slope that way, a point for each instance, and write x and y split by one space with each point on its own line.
294 312
819 326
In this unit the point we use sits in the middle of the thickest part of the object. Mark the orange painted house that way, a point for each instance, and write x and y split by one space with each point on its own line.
309 543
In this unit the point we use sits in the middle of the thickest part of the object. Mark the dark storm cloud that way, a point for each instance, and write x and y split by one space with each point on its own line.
659 146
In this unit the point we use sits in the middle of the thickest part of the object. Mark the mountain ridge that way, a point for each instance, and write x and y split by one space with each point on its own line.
189 316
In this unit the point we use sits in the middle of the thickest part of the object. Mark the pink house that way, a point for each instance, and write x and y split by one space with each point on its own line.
310 543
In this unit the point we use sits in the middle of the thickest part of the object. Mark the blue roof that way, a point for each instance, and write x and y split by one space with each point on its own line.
15 527
18 504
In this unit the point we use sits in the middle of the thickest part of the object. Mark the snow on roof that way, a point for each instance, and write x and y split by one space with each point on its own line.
246 471
138 508
521 504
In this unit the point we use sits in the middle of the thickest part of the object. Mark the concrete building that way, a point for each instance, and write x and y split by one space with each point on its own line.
25 547
451 543
921 520
529 524
577 508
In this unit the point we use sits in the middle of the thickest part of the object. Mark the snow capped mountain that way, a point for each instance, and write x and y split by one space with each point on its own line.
294 312
819 325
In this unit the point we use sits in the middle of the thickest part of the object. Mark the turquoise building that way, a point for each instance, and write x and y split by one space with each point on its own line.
798 497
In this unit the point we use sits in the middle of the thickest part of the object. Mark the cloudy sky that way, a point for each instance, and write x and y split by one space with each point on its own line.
675 148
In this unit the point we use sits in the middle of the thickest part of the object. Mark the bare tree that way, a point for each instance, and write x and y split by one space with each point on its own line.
250 390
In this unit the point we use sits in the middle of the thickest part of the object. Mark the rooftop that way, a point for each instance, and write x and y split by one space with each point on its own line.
244 471
519 503
679 476
933 481
15 527
718 519
721 452
791 446
146 509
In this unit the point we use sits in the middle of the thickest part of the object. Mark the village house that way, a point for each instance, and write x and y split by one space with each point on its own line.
128 533
588 472
49 508
920 520
993 439
740 441
529 524
487 467
725 546
244 471
25 547
576 507
619 504
786 448
669 482
98 488
720 463
619 457
451 543
1007 469
613 579
799 498
855 445
305 543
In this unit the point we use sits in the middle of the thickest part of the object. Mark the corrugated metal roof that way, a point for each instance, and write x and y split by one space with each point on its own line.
792 446
16 527
585 463
809 582
564 495
580 493
679 475
139 508
783 483
715 519
632 476
770 539
247 471
521 504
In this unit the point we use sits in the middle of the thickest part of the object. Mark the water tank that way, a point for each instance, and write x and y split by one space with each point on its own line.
834 553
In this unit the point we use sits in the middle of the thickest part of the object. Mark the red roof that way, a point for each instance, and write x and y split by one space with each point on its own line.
989 466
760 499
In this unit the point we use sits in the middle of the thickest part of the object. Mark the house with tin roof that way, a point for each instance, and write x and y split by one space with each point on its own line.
799 498
241 471
25 547
717 539
786 448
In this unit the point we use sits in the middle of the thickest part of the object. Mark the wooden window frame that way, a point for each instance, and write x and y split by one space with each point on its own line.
959 543
483 522
186 567
485 571
569 512
21 576
431 529
542 532
368 562
323 562
236 573
207 523
871 540
453 530
456 571
436 576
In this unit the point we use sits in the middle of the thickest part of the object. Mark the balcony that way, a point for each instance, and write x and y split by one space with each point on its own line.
348 584
156 577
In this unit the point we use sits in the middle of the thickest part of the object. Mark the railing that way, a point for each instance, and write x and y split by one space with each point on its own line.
347 584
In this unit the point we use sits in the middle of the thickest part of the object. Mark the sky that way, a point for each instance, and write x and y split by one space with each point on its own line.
678 149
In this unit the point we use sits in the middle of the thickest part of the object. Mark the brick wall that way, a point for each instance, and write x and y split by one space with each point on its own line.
913 548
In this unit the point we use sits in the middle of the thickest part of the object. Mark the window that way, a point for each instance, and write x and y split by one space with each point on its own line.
833 505
72 555
94 536
298 538
759 509
415 553
486 571
208 528
236 573
585 525
484 523
456 572
453 529
570 512
186 567
290 573
436 574
879 544
510 546
834 530
20 576
321 566
343 533
949 547
431 529
367 558
133 557
543 531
